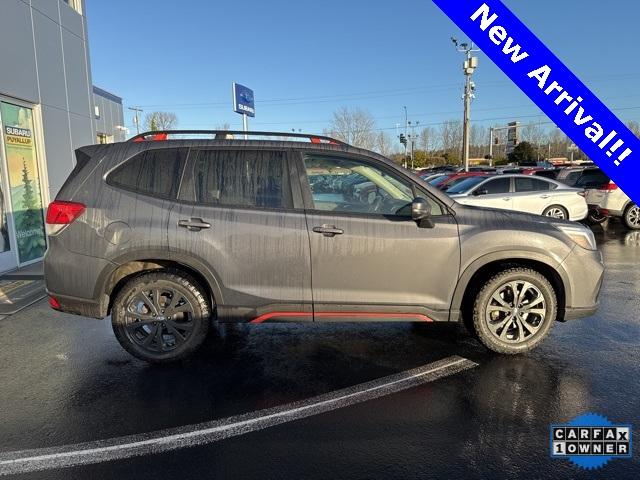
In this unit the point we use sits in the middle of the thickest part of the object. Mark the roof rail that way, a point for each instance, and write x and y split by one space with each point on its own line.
160 135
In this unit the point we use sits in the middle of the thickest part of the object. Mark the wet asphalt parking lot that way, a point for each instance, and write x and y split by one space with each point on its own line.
65 380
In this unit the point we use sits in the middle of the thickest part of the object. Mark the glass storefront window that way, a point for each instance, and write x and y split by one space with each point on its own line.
24 181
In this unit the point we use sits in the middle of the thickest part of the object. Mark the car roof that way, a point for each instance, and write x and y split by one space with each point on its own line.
534 177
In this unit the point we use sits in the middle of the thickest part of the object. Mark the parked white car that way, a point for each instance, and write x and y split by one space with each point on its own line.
523 193
604 198
613 202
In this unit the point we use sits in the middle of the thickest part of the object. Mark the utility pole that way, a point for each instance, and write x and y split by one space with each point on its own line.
469 66
412 138
491 146
406 126
137 118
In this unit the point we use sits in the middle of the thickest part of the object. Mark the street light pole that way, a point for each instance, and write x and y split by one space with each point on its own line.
469 66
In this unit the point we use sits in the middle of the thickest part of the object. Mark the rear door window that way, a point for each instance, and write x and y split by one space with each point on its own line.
241 178
154 172
532 185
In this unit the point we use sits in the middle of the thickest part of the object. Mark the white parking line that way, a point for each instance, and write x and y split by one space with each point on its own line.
164 440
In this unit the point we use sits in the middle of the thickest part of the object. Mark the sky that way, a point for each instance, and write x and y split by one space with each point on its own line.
304 60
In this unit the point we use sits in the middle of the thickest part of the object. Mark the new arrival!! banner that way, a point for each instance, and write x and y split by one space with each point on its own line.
552 87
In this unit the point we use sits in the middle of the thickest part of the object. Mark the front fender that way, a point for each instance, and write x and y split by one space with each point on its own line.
504 256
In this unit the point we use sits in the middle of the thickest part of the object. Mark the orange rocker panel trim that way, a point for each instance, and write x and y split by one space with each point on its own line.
267 316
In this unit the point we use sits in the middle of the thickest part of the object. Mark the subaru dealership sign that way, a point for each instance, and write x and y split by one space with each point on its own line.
243 101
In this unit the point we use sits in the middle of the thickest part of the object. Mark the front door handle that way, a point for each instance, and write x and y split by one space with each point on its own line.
194 224
506 199
328 230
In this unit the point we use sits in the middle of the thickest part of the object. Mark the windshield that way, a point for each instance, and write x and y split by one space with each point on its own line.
465 185
438 179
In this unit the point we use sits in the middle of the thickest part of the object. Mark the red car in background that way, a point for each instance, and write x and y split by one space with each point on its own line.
447 181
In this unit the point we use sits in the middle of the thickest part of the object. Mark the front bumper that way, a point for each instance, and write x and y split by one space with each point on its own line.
584 270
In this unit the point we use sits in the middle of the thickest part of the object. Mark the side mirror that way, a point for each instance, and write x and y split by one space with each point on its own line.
480 191
421 213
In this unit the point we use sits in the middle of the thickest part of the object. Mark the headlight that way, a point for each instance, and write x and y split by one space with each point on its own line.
580 235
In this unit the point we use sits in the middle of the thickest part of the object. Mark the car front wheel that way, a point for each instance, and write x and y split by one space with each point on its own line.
161 316
514 311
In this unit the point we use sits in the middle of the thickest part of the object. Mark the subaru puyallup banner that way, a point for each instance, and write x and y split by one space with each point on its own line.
551 86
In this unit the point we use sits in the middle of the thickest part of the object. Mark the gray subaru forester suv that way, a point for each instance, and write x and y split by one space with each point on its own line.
171 230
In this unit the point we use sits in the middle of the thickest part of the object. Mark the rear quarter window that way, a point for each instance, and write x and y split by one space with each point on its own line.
152 172
532 185
592 179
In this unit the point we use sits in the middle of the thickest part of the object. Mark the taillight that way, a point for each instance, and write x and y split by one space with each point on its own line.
53 303
158 137
582 194
61 213
607 187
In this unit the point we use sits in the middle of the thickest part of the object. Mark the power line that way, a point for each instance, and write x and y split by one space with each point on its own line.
431 124
348 96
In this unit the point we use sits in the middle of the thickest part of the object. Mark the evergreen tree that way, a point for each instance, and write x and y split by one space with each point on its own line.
28 219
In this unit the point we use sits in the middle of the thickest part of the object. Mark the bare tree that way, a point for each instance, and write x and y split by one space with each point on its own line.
353 126
534 134
383 145
223 126
160 121
451 137
426 140
558 143
634 126
479 136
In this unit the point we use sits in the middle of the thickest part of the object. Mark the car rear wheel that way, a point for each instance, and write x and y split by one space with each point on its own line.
632 217
161 316
556 211
514 311
595 216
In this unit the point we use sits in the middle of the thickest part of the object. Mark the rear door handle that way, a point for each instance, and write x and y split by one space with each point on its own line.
194 224
506 199
328 230
545 196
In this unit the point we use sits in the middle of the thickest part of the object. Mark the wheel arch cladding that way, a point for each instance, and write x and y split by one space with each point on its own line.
472 281
119 277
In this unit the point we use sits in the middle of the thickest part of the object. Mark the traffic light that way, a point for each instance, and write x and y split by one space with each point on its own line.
403 139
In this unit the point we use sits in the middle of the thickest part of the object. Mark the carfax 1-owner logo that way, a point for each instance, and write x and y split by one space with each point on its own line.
590 441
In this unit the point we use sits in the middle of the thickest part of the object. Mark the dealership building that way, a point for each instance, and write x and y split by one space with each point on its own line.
48 108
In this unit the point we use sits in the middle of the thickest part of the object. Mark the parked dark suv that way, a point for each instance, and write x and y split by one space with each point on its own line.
165 233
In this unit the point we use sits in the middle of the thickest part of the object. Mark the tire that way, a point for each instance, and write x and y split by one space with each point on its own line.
594 217
632 217
164 329
556 211
495 326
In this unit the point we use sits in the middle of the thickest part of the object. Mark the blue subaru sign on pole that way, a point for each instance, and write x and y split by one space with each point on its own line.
243 103
243 100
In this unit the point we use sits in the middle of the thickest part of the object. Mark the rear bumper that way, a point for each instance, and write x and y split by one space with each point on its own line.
71 278
82 306
579 213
